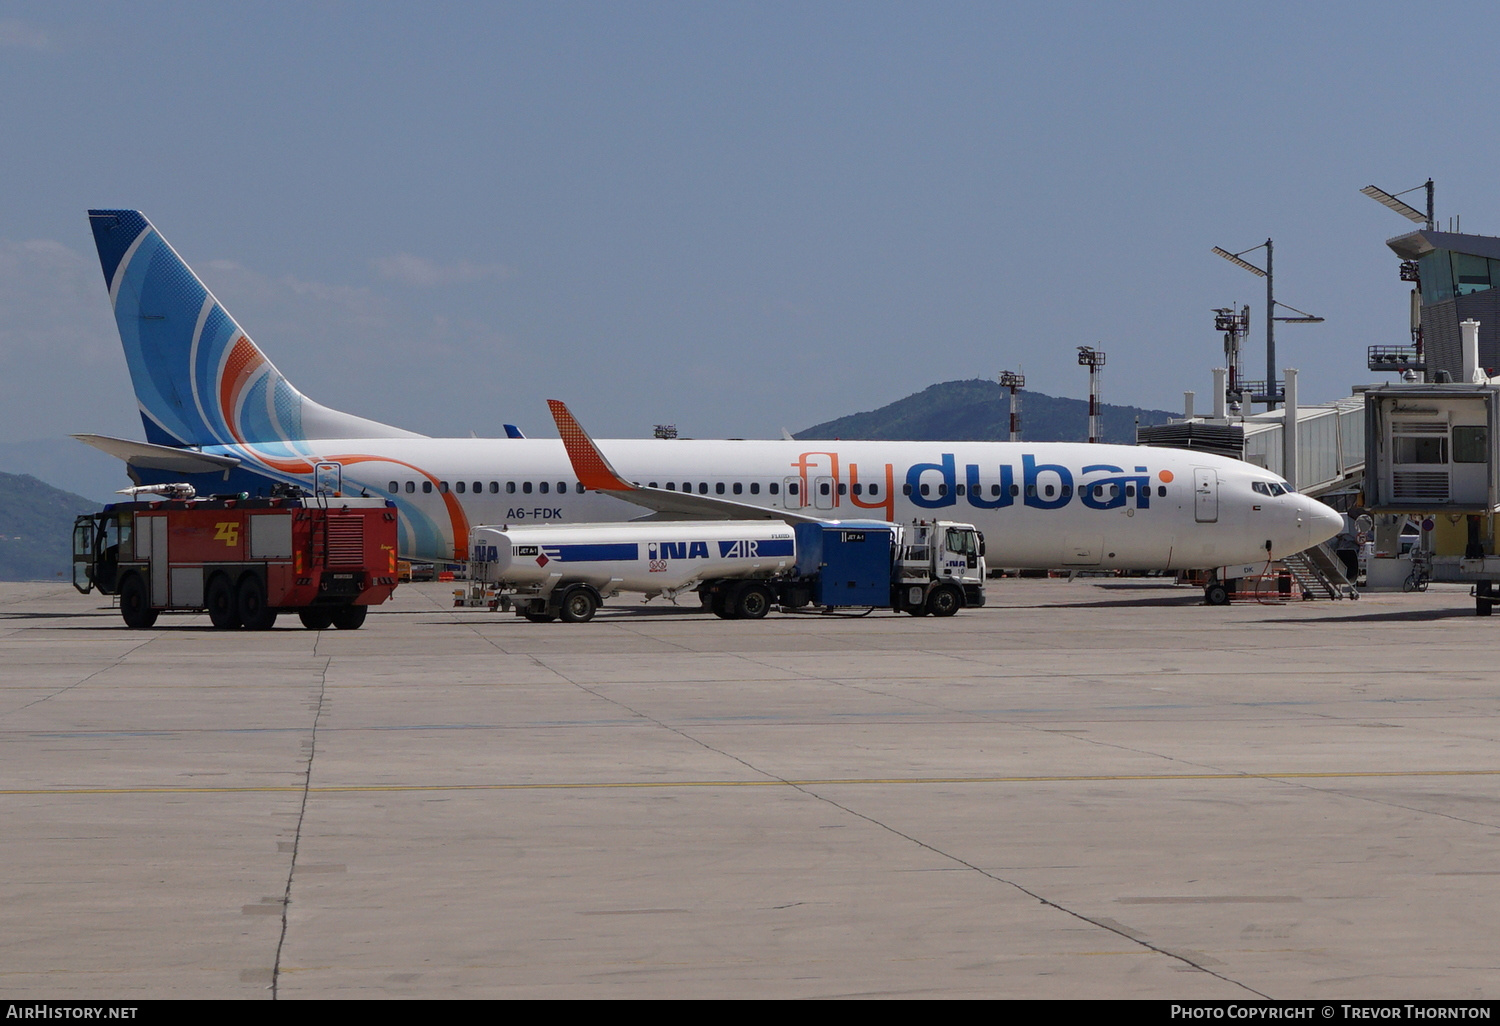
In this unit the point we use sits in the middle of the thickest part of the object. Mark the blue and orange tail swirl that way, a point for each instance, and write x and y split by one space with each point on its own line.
198 377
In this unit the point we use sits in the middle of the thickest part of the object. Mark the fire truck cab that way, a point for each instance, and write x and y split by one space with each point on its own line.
243 560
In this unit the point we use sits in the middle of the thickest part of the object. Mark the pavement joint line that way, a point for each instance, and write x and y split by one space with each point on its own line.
79 683
291 869
1102 924
778 782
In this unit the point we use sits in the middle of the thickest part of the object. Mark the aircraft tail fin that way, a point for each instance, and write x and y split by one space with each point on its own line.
199 379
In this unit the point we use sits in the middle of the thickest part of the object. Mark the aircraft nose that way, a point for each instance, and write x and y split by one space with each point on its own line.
1322 522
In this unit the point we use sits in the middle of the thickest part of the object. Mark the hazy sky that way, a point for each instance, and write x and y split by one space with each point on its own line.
733 216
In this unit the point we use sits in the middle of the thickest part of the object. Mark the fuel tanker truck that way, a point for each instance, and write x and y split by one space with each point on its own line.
741 569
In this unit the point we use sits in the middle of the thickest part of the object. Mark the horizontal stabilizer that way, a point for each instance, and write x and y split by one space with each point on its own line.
596 474
160 457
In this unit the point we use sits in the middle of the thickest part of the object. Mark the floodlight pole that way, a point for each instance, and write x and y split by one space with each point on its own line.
1014 382
1270 331
1093 359
1271 318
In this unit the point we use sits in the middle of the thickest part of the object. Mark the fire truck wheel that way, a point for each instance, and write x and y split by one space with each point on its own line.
254 613
134 606
222 611
945 600
315 619
349 618
751 601
578 605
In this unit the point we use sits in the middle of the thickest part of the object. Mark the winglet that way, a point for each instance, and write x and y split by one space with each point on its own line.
589 464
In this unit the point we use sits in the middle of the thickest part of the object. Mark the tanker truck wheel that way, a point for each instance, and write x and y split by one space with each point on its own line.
751 601
718 603
578 605
945 600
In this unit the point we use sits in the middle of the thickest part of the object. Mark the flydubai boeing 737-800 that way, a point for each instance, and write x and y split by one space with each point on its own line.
220 416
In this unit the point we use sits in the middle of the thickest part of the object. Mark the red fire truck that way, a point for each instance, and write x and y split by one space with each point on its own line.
244 560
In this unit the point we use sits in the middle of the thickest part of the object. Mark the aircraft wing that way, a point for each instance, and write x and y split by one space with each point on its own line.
149 456
596 474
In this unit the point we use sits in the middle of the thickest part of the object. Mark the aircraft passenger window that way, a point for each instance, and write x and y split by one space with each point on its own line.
1114 491
461 488
1130 491
702 487
443 487
1050 490
738 488
859 489
510 488
719 488
874 490
579 487
494 487
544 487
1098 491
1031 491
394 488
959 490
654 484
478 487
411 486
687 486
562 488
526 487
1067 491
843 489
942 490
994 490
906 489
773 488
1161 491
823 488
925 489
427 487
754 487
1016 490
671 486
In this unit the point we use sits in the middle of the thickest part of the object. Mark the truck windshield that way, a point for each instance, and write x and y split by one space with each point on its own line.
962 541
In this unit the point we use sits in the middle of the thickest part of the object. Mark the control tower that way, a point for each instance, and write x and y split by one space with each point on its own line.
1458 279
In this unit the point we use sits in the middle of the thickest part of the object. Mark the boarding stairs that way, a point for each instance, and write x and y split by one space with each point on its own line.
1319 573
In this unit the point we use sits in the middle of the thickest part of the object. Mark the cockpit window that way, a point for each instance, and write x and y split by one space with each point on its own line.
1269 487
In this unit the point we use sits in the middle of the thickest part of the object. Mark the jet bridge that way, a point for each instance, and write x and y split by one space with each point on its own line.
1433 454
1329 439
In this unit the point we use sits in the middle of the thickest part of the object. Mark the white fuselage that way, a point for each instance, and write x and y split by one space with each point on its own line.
1045 505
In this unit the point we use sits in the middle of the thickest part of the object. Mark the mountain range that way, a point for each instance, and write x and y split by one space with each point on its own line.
36 528
976 410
